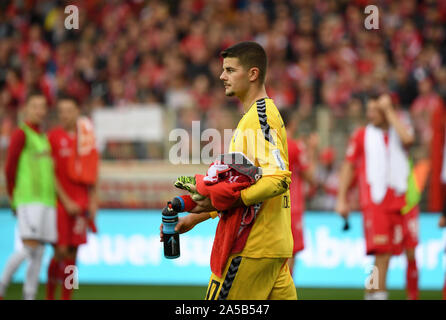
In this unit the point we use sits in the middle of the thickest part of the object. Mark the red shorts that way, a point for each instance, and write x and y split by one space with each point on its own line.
410 228
297 231
383 229
72 230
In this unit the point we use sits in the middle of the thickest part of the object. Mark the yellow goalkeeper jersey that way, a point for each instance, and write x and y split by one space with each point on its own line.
261 137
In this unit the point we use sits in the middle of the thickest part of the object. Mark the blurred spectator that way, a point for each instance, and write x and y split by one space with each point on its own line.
437 157
327 178
320 56
423 107
440 76
138 51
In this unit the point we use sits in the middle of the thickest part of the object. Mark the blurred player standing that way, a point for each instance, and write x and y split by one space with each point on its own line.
437 157
410 216
410 242
442 224
438 163
411 212
76 161
301 171
31 188
377 153
260 270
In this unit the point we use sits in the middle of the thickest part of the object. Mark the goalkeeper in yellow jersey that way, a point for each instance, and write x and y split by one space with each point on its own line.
259 270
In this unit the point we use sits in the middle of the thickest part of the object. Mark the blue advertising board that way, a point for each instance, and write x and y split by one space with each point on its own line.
127 250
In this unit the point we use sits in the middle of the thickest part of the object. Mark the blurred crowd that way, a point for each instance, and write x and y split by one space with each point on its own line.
321 57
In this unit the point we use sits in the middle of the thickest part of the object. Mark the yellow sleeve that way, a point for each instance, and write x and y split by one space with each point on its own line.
265 188
271 154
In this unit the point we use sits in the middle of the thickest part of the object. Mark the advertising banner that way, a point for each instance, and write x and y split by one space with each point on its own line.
127 250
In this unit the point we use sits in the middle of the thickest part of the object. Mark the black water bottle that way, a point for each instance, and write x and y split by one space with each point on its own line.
171 237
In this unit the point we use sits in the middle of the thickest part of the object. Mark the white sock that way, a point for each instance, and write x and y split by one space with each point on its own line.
377 295
11 267
32 275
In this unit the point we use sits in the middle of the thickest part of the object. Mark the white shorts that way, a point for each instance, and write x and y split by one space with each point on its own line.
37 222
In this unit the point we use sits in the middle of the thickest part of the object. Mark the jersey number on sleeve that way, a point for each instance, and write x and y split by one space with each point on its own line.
213 287
286 201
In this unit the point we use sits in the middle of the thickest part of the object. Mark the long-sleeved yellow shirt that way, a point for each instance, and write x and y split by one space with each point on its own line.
261 137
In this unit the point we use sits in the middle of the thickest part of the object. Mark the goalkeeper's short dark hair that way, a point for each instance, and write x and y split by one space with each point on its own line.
251 54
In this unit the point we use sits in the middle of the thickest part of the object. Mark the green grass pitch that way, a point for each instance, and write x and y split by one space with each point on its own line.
143 292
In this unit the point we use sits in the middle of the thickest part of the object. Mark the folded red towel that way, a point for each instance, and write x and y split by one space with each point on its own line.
223 194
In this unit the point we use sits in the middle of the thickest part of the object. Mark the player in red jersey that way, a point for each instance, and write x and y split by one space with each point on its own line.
76 195
378 154
442 224
301 171
437 187
410 242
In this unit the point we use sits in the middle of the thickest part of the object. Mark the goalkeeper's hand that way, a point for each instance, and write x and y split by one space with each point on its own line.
186 223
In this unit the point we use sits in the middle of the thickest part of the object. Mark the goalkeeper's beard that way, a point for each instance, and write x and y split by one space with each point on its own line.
230 93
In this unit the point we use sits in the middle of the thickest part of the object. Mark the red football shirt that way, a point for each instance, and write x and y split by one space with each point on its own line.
298 162
63 144
356 155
